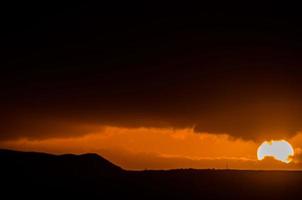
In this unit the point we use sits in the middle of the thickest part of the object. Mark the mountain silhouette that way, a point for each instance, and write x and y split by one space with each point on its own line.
89 176
68 164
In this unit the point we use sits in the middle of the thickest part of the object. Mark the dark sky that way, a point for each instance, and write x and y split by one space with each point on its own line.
217 70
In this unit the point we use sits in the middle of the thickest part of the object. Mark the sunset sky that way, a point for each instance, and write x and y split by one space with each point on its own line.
196 89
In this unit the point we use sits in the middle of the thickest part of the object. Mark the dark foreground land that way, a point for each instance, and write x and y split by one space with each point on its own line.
88 176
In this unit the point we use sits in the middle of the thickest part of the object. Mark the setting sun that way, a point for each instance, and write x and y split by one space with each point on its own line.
278 149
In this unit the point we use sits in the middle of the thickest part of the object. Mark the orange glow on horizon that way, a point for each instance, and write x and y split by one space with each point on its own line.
163 148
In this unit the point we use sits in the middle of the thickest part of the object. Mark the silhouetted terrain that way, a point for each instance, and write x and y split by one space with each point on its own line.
39 175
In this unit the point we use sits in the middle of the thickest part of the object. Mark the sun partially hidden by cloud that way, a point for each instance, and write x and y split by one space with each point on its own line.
278 149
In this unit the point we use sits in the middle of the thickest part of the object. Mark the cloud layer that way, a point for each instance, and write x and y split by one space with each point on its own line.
239 76
246 103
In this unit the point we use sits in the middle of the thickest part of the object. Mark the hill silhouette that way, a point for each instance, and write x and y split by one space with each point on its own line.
39 176
47 164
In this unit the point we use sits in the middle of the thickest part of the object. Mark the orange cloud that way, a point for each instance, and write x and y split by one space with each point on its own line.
156 148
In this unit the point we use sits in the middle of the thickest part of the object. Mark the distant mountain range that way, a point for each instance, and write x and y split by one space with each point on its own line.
88 176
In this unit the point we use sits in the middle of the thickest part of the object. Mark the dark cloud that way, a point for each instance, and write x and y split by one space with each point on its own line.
215 71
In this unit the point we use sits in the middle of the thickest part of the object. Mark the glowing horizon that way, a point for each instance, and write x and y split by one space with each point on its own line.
162 148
